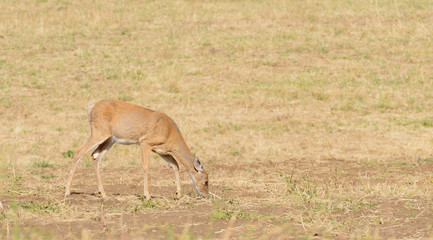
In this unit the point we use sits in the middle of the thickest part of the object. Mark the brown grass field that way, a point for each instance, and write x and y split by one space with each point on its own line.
313 118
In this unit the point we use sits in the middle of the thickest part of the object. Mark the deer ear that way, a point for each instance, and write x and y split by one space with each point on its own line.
198 165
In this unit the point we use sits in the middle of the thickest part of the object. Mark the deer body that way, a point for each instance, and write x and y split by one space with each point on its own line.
114 121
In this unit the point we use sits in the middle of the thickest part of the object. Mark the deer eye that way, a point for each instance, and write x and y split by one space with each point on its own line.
205 183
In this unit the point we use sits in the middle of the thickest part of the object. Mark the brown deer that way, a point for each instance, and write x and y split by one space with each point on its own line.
114 121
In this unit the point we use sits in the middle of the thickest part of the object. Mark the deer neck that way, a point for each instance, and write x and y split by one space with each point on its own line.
182 154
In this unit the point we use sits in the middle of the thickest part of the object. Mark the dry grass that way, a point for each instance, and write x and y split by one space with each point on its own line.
313 118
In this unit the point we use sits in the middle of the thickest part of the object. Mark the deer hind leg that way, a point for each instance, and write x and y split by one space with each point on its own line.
97 156
92 142
145 154
175 167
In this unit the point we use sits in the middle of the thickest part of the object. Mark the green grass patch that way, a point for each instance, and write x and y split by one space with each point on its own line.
423 122
146 205
68 154
48 176
300 186
228 209
45 207
430 159
42 164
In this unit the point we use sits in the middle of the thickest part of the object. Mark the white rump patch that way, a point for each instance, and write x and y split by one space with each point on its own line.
160 151
125 141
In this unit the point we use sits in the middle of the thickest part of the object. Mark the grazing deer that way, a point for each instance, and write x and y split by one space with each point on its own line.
114 121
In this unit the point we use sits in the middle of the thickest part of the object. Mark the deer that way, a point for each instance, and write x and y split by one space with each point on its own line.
114 121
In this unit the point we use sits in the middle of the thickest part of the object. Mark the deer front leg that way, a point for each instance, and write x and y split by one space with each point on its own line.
177 176
145 154
175 167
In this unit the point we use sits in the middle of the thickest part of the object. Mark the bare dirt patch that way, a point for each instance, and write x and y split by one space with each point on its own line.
310 198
